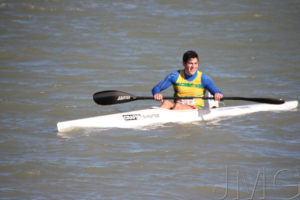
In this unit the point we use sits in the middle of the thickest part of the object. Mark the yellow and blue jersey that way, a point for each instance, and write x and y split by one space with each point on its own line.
188 86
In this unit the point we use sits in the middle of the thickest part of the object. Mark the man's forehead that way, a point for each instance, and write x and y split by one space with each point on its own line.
193 60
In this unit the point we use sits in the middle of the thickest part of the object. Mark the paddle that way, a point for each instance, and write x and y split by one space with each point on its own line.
110 97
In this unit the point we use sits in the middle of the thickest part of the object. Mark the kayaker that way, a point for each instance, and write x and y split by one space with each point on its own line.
188 82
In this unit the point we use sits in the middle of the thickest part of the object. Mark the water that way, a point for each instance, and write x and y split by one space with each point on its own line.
55 54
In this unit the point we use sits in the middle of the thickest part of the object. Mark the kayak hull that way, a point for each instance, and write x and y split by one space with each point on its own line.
151 116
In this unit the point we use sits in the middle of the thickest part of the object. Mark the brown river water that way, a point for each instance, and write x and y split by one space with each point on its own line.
56 53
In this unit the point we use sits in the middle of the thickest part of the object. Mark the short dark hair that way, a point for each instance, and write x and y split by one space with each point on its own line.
188 55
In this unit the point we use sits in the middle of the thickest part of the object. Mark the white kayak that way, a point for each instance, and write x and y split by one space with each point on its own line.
151 116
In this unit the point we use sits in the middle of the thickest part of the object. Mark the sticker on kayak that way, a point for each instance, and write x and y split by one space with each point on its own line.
132 117
139 116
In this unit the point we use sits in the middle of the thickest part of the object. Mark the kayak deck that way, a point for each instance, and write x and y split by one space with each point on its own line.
146 117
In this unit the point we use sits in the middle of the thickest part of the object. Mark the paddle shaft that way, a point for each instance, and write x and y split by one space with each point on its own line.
170 98
116 97
259 100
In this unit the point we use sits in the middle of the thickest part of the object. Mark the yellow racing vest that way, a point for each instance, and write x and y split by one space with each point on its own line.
184 88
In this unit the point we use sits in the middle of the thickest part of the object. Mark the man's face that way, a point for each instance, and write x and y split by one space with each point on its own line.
191 66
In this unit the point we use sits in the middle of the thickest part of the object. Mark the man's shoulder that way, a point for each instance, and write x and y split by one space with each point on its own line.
176 73
173 76
204 76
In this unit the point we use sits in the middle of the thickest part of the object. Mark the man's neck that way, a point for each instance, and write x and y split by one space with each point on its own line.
190 77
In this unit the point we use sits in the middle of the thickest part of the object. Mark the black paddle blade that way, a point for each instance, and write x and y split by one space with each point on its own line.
110 97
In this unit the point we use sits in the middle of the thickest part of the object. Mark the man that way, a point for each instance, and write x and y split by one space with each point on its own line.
188 82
